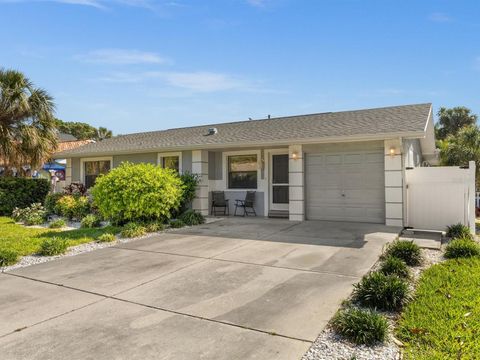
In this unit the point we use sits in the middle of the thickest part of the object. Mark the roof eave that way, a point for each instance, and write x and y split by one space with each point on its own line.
328 139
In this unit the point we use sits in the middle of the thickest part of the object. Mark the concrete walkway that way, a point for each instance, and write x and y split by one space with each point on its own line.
233 289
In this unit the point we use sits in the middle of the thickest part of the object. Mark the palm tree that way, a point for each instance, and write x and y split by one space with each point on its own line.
459 149
27 128
103 133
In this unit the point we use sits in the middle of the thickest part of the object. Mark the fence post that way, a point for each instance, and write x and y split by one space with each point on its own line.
472 196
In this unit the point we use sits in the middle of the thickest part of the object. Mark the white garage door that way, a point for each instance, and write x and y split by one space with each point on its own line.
346 186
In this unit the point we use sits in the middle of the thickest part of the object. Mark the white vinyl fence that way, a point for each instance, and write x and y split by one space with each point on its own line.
440 196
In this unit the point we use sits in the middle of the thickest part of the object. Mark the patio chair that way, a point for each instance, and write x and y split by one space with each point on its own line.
219 201
247 204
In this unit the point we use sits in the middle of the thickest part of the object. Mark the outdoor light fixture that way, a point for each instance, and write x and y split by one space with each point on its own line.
392 151
294 156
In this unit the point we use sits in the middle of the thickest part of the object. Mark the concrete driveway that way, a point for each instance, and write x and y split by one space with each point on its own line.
233 289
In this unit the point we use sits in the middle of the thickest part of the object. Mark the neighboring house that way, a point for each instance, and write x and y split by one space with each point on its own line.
70 142
346 165
66 142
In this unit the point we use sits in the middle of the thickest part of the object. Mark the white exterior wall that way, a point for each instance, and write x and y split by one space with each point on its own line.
296 175
394 183
200 167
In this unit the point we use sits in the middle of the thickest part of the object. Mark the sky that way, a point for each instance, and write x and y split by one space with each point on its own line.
141 65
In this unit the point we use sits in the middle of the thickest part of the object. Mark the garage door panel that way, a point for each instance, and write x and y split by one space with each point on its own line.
333 160
331 212
358 175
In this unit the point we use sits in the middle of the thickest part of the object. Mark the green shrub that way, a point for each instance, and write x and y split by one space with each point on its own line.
8 257
107 237
21 192
137 192
394 266
191 217
462 248
133 229
406 250
53 246
57 224
380 291
76 189
73 207
90 221
34 214
176 224
51 203
153 226
360 326
189 183
459 231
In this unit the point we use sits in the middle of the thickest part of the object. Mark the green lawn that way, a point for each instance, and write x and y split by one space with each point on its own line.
443 321
27 240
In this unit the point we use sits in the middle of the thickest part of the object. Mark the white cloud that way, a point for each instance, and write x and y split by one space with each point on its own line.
121 57
439 17
257 3
100 4
197 81
203 81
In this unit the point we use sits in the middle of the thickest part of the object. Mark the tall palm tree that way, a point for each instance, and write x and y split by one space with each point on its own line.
103 133
27 128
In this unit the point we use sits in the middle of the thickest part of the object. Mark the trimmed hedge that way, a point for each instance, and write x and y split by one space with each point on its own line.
21 192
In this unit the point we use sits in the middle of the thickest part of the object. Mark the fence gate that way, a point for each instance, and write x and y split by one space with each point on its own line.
440 196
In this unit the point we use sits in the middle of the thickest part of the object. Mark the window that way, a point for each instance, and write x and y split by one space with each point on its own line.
242 172
93 169
171 162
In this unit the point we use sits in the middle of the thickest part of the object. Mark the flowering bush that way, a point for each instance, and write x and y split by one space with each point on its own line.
34 214
73 207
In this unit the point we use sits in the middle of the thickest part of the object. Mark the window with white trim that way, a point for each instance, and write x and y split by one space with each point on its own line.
93 169
171 160
242 171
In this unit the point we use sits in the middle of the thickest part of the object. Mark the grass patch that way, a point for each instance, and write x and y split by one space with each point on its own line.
107 237
405 250
442 322
394 266
176 224
57 224
8 257
462 248
379 291
133 229
360 326
459 231
53 246
26 241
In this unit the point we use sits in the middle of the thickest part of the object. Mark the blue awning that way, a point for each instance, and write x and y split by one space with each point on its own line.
53 166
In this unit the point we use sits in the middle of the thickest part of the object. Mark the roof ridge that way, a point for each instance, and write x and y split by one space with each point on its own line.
273 118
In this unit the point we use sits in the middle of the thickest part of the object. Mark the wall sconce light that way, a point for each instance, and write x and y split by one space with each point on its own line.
294 155
392 151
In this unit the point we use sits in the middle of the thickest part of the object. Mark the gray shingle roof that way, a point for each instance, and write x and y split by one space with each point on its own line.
393 120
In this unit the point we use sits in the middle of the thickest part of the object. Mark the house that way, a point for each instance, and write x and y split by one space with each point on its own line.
347 166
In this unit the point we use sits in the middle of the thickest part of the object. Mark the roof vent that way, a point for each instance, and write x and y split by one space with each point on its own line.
211 131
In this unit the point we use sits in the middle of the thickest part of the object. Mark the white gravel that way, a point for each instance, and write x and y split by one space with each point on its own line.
329 345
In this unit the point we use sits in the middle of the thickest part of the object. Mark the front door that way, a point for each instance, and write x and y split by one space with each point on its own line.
279 181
